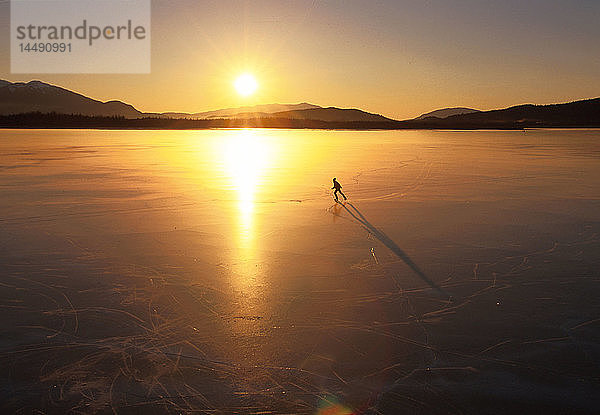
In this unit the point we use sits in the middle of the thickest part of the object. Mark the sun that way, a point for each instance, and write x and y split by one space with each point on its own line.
245 84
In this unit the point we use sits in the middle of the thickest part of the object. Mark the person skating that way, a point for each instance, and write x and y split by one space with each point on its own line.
338 189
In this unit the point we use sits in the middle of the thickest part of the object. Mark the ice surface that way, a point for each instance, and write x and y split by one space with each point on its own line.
212 272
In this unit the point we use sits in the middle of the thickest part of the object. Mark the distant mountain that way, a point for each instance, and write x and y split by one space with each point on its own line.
303 111
331 114
264 109
447 112
577 113
20 97
254 111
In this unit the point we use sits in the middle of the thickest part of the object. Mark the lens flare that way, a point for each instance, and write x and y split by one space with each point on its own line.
330 405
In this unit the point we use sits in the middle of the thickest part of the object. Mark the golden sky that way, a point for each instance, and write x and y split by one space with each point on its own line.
399 58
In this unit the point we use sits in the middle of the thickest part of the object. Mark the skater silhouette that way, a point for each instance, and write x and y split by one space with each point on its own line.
338 189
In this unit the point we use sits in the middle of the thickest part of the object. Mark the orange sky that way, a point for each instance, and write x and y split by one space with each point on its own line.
398 58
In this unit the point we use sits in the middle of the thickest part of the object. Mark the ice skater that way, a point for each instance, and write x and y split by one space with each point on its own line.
338 189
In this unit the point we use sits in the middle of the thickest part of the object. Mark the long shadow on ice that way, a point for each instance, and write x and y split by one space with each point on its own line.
388 242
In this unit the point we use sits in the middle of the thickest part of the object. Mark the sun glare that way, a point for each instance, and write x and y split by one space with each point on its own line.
245 160
245 84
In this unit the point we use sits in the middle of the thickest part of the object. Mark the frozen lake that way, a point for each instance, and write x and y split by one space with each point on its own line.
212 272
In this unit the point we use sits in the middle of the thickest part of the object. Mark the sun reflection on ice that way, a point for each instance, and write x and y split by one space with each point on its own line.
246 159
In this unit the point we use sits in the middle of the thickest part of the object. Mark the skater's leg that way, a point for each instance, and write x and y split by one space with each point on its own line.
345 198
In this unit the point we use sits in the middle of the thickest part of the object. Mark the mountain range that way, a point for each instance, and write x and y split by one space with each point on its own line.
58 107
447 112
240 112
37 96
583 113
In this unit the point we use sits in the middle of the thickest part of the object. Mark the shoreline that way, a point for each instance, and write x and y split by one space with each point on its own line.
2 127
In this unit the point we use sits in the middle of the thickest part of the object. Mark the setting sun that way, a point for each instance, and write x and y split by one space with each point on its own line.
245 84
